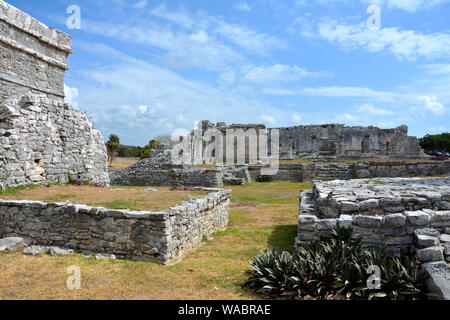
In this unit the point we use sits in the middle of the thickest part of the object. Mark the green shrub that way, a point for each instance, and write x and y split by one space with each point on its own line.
265 178
146 153
332 266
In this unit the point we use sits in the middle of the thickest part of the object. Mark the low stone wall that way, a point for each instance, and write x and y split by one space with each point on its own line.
162 237
192 177
383 213
303 172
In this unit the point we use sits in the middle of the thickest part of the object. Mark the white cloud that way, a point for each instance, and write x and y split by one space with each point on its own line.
241 36
183 41
242 6
411 6
403 44
278 73
228 77
141 4
279 92
296 118
346 118
407 5
71 94
432 104
268 119
172 101
371 109
353 92
438 69
143 109
201 37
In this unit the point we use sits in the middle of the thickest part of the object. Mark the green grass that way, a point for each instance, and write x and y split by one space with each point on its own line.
118 204
58 197
17 190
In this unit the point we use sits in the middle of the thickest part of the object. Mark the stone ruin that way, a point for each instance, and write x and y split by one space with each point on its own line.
160 170
42 139
163 237
201 167
395 215
328 141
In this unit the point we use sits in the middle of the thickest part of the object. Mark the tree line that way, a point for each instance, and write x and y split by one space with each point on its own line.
436 145
116 149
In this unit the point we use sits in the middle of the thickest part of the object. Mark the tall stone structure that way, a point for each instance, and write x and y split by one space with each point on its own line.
42 139
332 141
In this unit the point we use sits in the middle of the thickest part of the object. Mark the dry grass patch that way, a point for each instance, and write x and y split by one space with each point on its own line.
115 198
122 163
216 270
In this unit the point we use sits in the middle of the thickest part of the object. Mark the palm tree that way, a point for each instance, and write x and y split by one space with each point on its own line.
112 147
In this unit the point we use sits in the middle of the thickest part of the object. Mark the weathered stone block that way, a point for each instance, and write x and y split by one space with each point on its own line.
424 241
394 220
445 238
368 205
345 221
430 254
326 224
349 207
368 221
417 218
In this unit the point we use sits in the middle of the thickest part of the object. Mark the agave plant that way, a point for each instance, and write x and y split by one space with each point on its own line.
334 265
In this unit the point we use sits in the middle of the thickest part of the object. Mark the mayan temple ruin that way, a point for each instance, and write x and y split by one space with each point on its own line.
327 141
42 139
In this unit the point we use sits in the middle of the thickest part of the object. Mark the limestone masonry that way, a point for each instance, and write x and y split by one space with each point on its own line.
160 171
328 140
384 213
42 139
163 237
396 215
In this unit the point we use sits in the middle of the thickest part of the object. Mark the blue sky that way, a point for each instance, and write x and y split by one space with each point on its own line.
144 68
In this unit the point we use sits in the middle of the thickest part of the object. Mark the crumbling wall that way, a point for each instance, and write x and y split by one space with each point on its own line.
163 237
331 141
304 172
387 213
42 139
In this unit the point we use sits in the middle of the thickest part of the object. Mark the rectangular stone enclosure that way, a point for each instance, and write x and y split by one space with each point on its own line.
382 212
162 237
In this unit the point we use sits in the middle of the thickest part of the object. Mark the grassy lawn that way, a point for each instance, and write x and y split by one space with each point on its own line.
261 216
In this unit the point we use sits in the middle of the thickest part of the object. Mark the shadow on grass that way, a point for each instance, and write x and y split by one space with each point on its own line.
283 237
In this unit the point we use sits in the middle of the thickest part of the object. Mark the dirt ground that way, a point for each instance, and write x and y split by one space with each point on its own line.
136 198
122 163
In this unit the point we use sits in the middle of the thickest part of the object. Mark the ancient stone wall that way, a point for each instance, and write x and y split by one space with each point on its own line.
33 56
162 237
304 172
329 141
390 213
42 139
160 171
